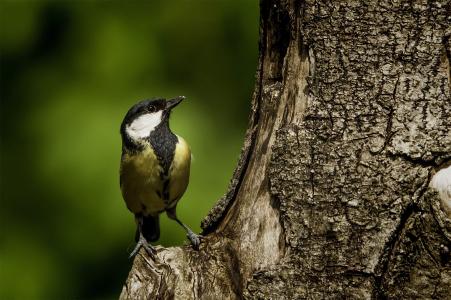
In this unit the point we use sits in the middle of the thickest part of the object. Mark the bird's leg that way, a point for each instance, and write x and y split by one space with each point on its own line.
142 242
194 238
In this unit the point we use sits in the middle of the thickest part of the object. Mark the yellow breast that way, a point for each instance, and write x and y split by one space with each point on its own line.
141 184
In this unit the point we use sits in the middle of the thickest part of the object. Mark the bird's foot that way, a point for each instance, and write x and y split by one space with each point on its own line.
148 247
194 239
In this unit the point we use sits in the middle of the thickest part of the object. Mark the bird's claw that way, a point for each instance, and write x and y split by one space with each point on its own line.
148 247
194 239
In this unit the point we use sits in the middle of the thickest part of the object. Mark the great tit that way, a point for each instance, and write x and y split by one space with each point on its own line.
154 170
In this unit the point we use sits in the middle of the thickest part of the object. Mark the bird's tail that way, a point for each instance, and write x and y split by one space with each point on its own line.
150 228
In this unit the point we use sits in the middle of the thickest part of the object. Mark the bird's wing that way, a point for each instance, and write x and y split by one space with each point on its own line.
179 171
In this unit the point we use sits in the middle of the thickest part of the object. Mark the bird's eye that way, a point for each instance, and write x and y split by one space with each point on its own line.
151 109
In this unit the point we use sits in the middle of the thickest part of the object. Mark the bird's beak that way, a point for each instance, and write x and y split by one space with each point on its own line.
171 103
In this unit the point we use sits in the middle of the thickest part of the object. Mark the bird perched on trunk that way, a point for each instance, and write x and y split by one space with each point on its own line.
154 171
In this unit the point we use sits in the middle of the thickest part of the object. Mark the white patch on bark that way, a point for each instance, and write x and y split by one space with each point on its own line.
441 182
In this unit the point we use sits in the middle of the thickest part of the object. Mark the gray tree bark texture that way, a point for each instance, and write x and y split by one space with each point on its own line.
343 187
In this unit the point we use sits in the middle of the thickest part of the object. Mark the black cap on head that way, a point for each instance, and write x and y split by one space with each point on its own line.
150 106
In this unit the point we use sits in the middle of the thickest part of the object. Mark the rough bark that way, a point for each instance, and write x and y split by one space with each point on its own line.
332 196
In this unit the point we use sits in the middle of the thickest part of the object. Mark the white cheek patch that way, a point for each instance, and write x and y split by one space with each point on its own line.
142 126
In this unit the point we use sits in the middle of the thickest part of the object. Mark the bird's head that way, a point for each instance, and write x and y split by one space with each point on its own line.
143 117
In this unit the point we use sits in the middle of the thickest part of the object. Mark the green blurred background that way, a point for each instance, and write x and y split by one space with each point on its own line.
69 72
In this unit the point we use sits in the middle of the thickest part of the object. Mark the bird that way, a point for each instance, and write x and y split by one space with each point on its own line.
154 169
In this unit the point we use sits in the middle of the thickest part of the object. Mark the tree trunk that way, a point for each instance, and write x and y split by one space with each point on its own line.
332 196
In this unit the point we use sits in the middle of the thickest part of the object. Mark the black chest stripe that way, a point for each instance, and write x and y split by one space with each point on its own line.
166 191
163 142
